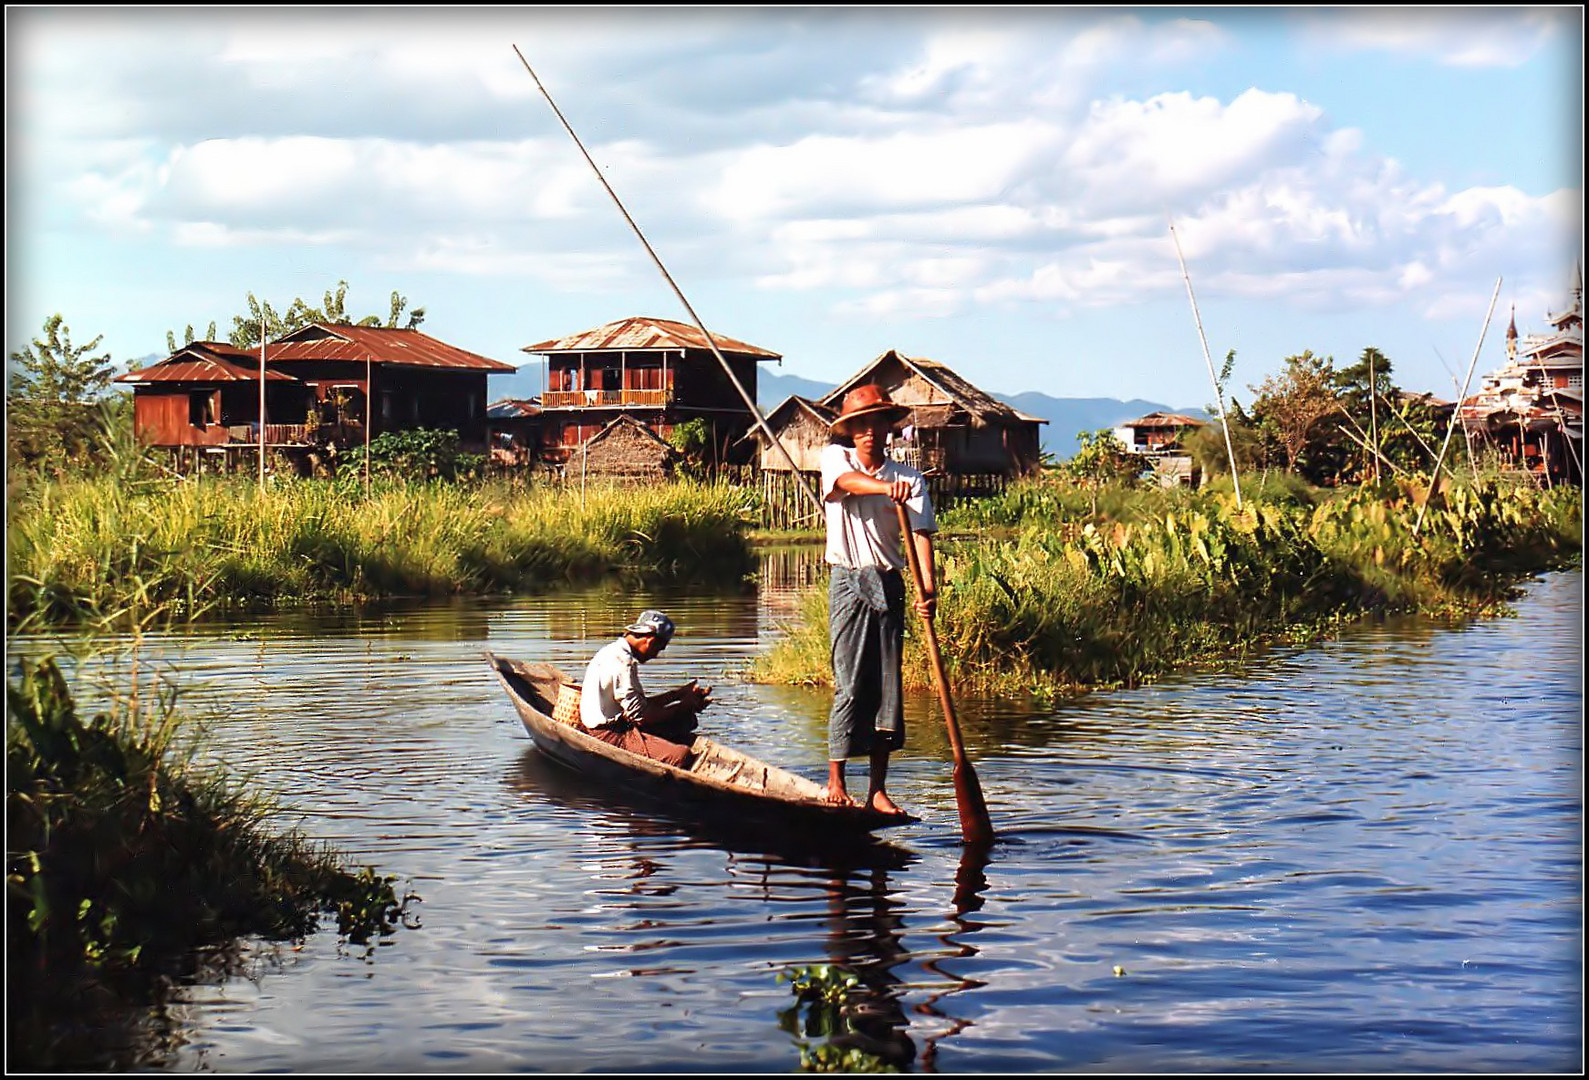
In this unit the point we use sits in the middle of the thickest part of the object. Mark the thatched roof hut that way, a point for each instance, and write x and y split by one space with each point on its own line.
958 428
802 427
625 449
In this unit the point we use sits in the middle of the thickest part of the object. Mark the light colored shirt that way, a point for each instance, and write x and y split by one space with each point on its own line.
863 530
612 686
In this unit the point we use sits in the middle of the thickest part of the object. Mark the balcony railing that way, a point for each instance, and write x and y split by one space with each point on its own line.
347 434
599 399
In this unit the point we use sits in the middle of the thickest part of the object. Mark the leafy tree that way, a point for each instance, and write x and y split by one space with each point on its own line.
171 339
53 371
1206 445
693 440
333 310
1290 405
1102 460
1364 391
416 454
53 392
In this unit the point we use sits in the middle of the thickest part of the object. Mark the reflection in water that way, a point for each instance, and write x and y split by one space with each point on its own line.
643 814
970 882
865 934
865 915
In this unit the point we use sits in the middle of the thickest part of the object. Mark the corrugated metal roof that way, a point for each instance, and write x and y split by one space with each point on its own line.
379 345
513 409
1164 419
206 362
637 334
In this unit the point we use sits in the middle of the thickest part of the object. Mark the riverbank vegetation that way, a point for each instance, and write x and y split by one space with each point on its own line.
131 867
86 544
1055 587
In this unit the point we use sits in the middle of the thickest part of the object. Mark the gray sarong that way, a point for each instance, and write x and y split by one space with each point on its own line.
866 620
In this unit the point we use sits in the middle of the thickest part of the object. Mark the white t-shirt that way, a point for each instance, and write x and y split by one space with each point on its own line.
863 530
612 686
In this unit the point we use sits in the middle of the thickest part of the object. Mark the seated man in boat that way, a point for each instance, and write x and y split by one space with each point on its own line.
615 708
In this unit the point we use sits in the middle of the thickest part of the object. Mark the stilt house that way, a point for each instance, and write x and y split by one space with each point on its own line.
955 429
1156 438
319 382
659 372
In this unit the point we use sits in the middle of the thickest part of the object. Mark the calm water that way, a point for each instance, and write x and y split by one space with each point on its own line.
1361 856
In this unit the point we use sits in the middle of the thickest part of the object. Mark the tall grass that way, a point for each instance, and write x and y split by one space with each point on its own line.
77 545
1059 601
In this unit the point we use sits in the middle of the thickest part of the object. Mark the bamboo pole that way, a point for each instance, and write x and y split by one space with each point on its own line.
710 340
369 417
1467 438
262 397
1373 413
1219 395
1434 477
1363 442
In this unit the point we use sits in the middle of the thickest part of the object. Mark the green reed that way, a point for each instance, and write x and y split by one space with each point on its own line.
79 545
1058 601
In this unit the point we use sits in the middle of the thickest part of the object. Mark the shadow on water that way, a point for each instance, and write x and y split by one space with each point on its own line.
643 814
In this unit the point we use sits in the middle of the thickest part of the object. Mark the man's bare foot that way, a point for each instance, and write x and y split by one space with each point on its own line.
879 801
838 797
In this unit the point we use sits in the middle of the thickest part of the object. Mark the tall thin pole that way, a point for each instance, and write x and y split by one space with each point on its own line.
1467 437
710 341
1434 477
369 417
262 398
1373 413
1219 395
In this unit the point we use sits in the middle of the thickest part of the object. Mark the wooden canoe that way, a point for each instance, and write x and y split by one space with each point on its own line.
721 782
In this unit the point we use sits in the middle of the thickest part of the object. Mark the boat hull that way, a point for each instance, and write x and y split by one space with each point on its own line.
722 784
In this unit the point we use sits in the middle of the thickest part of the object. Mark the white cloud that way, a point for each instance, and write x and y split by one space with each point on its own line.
1468 38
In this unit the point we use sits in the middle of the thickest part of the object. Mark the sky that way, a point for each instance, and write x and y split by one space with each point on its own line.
1000 189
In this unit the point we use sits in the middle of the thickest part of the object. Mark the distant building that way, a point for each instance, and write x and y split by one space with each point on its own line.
802 427
1529 411
514 430
203 401
659 372
1156 438
955 429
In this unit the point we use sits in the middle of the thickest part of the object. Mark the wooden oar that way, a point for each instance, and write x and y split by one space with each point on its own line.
975 826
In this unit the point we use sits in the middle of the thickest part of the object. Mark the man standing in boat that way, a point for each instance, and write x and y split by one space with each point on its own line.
615 709
866 600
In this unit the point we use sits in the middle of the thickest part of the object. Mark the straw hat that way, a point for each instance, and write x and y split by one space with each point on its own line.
867 400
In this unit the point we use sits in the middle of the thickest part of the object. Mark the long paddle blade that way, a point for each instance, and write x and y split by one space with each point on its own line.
975 827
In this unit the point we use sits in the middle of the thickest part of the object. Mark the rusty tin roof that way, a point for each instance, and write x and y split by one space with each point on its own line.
207 362
639 334
389 346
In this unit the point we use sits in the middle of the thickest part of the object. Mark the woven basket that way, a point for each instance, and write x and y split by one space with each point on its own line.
566 711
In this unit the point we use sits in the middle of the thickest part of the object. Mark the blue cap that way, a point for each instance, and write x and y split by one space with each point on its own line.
652 622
